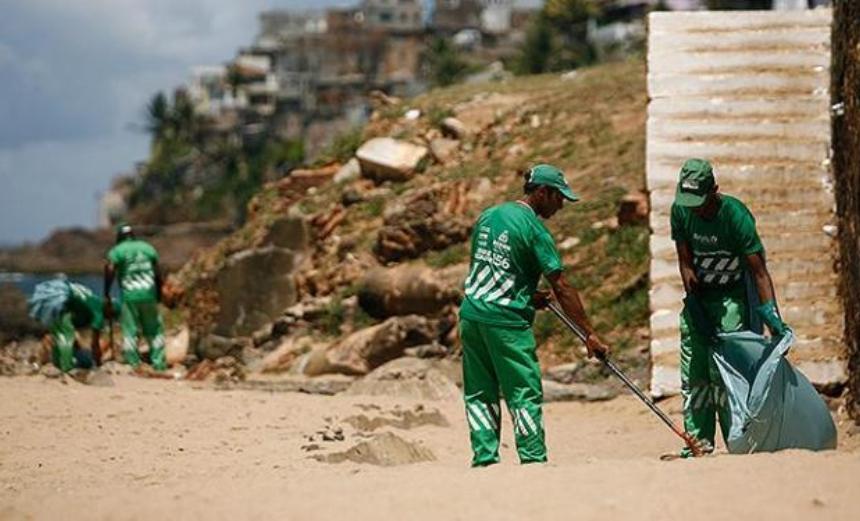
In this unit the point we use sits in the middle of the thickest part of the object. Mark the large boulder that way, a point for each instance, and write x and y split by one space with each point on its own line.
14 321
176 346
254 287
386 158
364 350
290 232
427 219
407 289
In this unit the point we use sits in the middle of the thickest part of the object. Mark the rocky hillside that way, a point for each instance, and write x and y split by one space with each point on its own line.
345 266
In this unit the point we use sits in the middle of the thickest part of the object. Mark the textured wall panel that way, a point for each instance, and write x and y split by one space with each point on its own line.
750 92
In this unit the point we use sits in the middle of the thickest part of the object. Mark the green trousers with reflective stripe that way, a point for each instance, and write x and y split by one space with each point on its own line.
142 316
63 336
501 359
63 353
701 385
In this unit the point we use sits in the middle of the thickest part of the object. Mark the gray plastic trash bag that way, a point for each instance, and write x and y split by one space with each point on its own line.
773 406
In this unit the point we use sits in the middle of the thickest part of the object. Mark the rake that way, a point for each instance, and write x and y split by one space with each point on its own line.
692 443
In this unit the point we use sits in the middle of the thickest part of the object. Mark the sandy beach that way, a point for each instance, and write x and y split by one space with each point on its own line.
146 449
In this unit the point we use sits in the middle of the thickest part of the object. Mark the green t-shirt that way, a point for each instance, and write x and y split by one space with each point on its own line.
85 307
135 261
511 248
720 245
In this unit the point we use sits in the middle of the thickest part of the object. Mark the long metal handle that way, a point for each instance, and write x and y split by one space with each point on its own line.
627 381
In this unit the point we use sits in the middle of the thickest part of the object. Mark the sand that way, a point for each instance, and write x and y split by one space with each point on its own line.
150 449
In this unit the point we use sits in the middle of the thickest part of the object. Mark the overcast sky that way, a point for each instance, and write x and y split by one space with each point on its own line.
76 76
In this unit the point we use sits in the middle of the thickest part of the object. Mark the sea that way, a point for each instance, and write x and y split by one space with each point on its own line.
27 282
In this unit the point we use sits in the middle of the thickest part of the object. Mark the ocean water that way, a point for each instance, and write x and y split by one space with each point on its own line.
26 282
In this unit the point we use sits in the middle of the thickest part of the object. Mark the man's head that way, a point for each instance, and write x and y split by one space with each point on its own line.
123 232
697 188
546 190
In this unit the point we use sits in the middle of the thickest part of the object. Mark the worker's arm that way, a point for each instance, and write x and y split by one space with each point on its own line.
685 265
571 303
764 286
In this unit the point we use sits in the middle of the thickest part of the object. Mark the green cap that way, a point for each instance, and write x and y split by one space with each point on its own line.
551 176
123 230
695 182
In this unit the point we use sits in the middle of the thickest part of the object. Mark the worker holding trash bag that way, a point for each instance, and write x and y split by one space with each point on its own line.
63 307
510 250
719 251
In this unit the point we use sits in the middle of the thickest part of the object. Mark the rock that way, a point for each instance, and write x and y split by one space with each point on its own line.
407 377
176 346
213 347
348 172
569 243
565 373
385 449
364 350
50 371
284 356
558 392
14 321
290 232
444 150
569 75
253 289
351 196
633 209
412 114
455 128
426 219
408 289
434 350
380 98
116 368
609 224
386 158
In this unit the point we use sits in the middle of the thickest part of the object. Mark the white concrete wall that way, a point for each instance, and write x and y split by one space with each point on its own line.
750 92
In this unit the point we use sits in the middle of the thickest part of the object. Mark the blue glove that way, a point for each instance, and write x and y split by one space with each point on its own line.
770 316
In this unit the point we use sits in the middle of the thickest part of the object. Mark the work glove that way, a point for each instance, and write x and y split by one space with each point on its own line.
770 315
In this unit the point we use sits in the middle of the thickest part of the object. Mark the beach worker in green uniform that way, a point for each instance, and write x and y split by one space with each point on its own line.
722 263
510 250
63 307
134 263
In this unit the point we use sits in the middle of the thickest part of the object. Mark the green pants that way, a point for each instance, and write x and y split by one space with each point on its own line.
142 316
497 358
63 353
701 384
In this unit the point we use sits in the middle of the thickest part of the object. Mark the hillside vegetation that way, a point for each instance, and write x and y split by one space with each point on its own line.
590 123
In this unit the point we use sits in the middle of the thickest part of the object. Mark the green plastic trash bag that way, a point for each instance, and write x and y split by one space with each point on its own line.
773 406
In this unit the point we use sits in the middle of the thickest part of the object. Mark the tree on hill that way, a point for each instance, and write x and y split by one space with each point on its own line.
444 63
557 39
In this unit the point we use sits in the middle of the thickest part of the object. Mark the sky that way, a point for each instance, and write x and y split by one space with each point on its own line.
76 76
